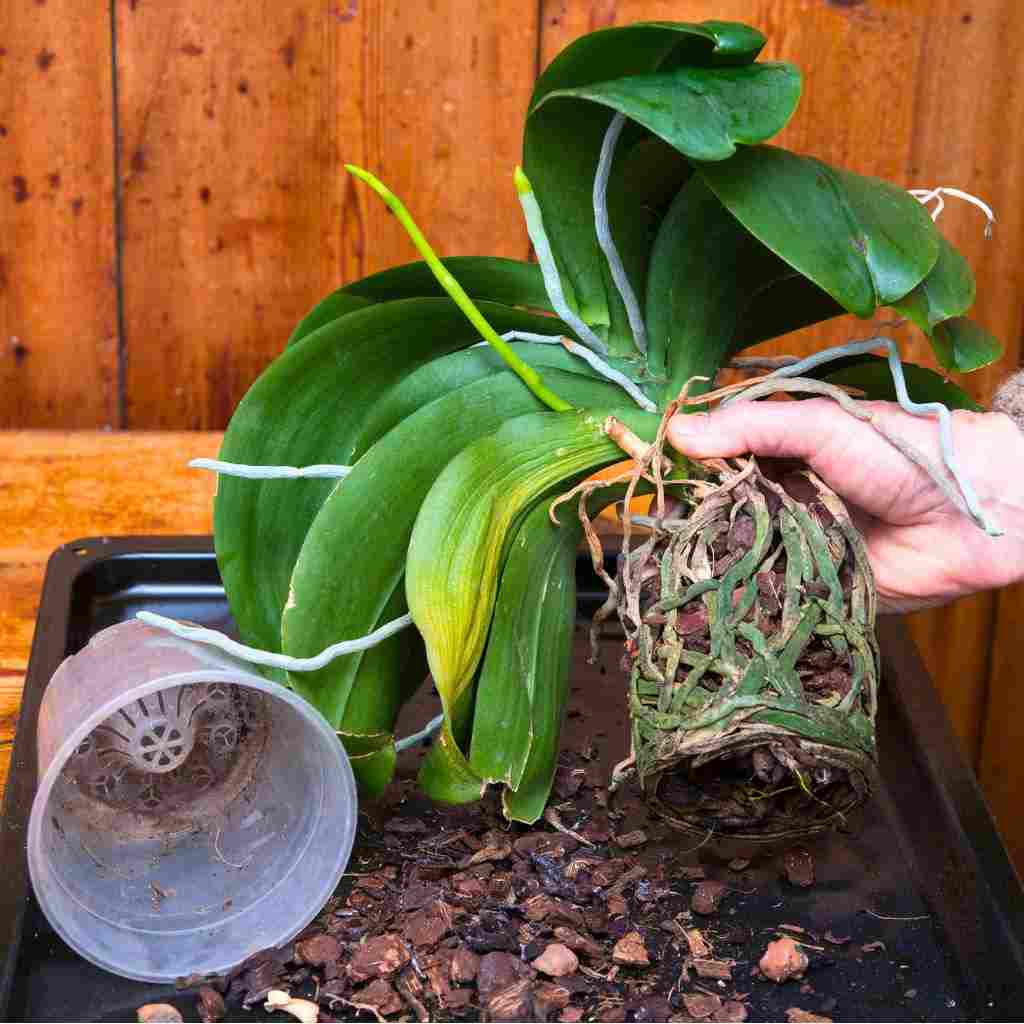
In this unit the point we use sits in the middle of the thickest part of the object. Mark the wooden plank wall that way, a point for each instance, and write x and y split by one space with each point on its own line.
172 195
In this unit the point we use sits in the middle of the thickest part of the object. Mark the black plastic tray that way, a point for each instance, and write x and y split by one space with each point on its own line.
927 848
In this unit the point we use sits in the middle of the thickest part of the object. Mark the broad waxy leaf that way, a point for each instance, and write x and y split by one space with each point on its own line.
947 291
389 673
455 463
871 374
701 112
333 307
486 278
540 657
937 306
309 406
458 545
353 556
865 242
713 289
962 345
531 640
562 143
528 647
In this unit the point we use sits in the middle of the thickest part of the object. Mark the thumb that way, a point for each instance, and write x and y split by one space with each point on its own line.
774 429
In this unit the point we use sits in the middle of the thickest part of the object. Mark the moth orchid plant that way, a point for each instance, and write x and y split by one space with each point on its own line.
386 492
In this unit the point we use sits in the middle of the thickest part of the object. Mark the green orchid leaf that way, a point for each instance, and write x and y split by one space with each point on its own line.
961 345
366 523
325 400
537 661
947 291
645 47
372 757
871 375
540 629
486 278
937 306
704 113
528 647
333 307
781 304
385 677
714 289
562 144
865 242
459 543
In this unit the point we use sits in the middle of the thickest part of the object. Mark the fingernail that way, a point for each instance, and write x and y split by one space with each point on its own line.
690 424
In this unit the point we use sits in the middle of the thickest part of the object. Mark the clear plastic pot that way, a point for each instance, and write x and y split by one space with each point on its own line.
189 813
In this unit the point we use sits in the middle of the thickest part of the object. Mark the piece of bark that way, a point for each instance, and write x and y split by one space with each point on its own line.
419 894
381 995
690 873
554 844
607 873
557 961
464 966
552 910
706 897
549 996
428 926
617 906
630 840
782 960
499 970
718 969
459 998
361 901
512 1003
317 950
488 853
700 1005
158 1013
578 943
378 957
631 950
470 886
732 1012
799 865
699 946
210 1005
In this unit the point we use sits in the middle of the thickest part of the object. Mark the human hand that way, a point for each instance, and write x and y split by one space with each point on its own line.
923 550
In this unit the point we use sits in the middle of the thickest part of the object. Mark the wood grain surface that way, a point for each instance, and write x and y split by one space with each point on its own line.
236 119
208 139
58 282
57 487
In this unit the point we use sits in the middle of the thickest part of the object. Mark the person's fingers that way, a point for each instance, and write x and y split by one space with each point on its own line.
800 430
846 452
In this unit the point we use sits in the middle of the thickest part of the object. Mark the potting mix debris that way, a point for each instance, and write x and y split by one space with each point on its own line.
599 912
